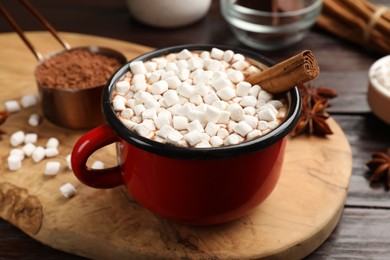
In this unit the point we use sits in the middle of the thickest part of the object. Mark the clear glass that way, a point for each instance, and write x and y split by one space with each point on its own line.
270 30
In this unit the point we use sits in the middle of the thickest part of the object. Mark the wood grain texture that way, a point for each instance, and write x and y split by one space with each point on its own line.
110 224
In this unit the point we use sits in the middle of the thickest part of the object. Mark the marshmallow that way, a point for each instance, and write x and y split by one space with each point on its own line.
238 57
211 98
12 106
17 138
159 87
221 105
149 114
195 126
68 190
195 63
250 110
17 152
264 95
127 113
142 130
216 54
51 152
38 154
150 66
28 149
236 112
193 137
275 103
243 88
221 83
203 144
174 137
254 90
223 117
242 128
138 109
154 77
171 66
28 101
149 124
231 140
174 82
165 131
137 67
171 98
68 161
97 165
228 55
273 124
52 168
248 101
235 76
205 55
267 115
30 138
139 83
197 115
222 133
216 141
196 99
180 122
262 125
182 64
240 65
52 142
214 66
212 114
185 90
254 134
211 129
251 120
34 120
226 93
14 162
183 74
184 54
122 87
162 120
118 104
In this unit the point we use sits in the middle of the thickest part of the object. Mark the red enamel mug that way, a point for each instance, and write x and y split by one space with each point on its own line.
199 186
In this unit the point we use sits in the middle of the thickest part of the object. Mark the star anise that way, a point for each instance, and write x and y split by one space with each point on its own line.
316 93
312 119
380 167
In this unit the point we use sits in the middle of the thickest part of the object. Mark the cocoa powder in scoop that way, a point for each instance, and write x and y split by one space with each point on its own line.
76 69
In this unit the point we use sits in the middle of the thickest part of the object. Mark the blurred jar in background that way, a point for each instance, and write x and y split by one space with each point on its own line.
168 13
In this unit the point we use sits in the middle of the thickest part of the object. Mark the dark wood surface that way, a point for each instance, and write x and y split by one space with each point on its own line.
364 229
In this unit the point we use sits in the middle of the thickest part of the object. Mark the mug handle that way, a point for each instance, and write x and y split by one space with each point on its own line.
87 144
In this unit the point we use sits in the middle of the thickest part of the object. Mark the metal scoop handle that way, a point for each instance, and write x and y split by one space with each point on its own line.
41 19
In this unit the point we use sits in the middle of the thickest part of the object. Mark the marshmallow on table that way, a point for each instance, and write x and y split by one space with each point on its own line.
33 120
68 161
51 152
17 152
52 142
14 162
12 106
17 138
28 101
97 165
52 168
28 149
38 154
68 190
30 138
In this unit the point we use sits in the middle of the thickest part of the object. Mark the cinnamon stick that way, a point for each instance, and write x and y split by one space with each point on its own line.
287 74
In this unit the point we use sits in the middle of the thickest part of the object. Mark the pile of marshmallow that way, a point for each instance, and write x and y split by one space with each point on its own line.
196 99
24 145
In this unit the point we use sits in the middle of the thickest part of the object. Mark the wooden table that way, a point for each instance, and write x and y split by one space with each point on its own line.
363 231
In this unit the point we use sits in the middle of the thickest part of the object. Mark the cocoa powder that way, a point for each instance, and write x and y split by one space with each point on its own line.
76 69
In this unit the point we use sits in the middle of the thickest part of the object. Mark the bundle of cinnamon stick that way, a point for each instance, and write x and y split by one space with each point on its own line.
358 21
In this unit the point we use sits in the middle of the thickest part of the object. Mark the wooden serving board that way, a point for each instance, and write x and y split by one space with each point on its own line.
108 224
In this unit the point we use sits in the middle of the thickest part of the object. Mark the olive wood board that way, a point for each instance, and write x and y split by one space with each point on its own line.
298 216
